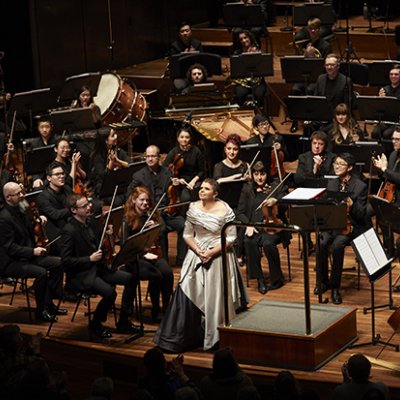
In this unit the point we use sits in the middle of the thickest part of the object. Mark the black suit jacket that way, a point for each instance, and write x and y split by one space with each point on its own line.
305 167
392 174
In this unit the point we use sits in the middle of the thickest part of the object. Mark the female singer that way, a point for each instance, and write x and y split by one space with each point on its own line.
193 168
151 267
345 129
231 167
249 86
197 308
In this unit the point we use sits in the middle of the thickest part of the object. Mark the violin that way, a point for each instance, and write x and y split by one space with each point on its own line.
39 228
271 216
387 191
173 191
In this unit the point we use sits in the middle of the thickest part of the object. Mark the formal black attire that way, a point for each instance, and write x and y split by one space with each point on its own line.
157 183
250 199
382 130
157 272
79 241
323 46
305 167
193 165
16 251
336 241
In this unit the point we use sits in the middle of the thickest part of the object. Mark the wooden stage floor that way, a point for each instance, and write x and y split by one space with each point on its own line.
69 349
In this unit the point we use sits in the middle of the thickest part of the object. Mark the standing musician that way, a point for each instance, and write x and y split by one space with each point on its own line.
86 270
253 194
193 168
262 124
382 130
336 241
317 162
21 257
157 179
151 266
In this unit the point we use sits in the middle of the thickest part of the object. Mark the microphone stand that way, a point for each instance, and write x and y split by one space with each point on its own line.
110 29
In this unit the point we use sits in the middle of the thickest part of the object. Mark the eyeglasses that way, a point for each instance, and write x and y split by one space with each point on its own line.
152 156
340 164
263 124
16 194
395 139
59 174
87 205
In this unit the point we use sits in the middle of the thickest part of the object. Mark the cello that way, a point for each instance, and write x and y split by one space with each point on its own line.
173 190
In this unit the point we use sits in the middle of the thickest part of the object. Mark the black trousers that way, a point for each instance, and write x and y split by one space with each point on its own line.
173 223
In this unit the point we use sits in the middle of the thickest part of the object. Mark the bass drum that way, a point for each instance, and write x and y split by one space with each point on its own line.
119 102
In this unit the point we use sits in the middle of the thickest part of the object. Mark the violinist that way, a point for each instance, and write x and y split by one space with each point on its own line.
22 258
152 267
358 222
52 201
193 167
157 179
86 270
263 137
252 195
317 162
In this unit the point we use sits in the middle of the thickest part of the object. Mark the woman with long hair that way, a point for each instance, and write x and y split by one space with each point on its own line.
345 129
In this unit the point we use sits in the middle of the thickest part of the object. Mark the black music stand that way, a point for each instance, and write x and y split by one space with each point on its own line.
378 72
38 159
301 69
116 216
180 63
318 182
130 252
309 108
241 15
358 72
230 191
370 253
73 85
74 119
302 13
249 151
121 177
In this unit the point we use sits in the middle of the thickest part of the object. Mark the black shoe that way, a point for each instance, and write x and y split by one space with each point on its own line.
127 327
60 311
294 127
100 332
396 289
336 297
45 316
275 286
324 288
261 286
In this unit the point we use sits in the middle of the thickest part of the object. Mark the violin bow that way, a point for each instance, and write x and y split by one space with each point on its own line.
152 212
108 217
252 163
273 191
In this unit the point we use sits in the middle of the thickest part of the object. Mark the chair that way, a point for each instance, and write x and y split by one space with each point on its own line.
23 282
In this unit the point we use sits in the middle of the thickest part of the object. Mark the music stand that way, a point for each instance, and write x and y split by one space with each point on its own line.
74 119
309 108
180 63
116 216
318 182
251 64
249 151
38 159
242 15
34 101
302 13
73 85
301 69
378 72
121 177
130 251
358 72
230 192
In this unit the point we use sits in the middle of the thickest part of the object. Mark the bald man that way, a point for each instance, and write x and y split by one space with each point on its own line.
22 258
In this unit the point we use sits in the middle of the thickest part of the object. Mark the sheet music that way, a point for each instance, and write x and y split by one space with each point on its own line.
371 251
304 193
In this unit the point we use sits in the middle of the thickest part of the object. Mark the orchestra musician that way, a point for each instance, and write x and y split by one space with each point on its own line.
193 168
358 222
253 194
157 179
254 86
22 258
197 308
86 270
85 100
317 162
196 74
152 266
311 44
382 130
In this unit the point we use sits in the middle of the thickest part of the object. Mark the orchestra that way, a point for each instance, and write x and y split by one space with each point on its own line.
171 187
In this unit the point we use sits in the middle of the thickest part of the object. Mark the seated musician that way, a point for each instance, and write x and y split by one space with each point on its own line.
345 129
52 201
382 130
389 171
311 44
317 162
157 179
191 172
336 241
253 194
106 156
85 100
86 269
195 75
263 137
254 86
22 258
152 266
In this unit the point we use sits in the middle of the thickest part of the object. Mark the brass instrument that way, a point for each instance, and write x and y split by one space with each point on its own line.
297 44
